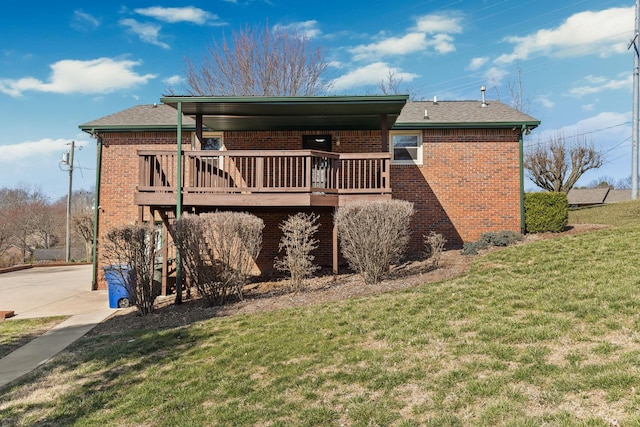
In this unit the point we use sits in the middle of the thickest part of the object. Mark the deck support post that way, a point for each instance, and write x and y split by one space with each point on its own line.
384 133
198 132
179 203
335 243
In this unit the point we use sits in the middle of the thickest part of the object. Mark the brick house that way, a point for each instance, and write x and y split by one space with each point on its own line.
459 162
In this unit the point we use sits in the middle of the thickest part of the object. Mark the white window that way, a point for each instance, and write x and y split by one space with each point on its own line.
212 141
406 147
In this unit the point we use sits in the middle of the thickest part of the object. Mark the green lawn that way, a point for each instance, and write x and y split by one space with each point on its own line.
17 332
545 333
619 214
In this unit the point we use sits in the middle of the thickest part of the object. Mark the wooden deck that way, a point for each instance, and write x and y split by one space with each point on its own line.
262 178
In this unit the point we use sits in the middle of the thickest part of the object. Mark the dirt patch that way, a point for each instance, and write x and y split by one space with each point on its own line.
276 294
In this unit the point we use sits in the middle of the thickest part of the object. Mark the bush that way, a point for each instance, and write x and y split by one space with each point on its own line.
546 212
218 251
298 242
433 245
491 238
236 240
373 235
134 246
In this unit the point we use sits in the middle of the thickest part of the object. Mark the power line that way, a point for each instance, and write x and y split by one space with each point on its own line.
577 135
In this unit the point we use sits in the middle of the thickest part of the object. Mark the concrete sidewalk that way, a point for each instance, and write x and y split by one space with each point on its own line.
45 292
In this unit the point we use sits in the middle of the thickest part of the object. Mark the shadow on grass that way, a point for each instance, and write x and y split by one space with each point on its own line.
99 369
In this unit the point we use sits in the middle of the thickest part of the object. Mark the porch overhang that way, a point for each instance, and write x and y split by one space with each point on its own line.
292 113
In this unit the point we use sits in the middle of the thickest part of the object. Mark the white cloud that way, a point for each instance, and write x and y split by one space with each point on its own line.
494 76
586 33
370 74
102 75
307 28
601 84
588 107
439 23
35 149
82 21
477 63
545 101
431 31
409 43
173 80
442 43
147 32
173 15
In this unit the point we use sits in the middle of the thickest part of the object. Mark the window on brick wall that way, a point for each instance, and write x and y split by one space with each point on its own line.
406 147
212 141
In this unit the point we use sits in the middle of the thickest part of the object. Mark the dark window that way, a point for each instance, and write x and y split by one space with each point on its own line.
316 142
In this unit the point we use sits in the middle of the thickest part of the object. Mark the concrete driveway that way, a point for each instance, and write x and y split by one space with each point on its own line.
50 291
44 292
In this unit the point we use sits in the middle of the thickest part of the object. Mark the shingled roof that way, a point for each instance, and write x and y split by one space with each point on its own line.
140 117
414 115
424 114
597 196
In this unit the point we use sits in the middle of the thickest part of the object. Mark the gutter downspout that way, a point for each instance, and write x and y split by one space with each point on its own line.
96 208
521 159
179 204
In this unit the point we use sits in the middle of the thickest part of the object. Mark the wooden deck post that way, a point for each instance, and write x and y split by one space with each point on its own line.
198 132
335 243
384 131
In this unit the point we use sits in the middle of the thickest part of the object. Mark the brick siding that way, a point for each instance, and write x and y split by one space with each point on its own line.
468 183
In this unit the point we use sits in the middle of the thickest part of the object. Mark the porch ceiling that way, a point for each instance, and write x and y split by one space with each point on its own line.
292 113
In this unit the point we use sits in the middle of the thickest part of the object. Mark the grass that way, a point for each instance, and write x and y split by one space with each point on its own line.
17 332
618 214
538 334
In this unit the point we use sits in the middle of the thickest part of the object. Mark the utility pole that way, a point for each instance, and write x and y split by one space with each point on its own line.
69 161
636 102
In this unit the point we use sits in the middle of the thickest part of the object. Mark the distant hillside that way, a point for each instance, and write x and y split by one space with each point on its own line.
619 214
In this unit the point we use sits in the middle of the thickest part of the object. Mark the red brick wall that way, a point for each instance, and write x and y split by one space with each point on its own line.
349 141
468 183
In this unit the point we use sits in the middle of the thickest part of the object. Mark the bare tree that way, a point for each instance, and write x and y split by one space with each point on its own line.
82 219
26 213
603 181
258 61
554 167
390 85
515 91
5 233
624 183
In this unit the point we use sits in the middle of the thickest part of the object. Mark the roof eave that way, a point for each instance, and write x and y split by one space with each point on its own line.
467 125
133 128
282 99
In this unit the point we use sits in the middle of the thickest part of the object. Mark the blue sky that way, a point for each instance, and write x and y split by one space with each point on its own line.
66 63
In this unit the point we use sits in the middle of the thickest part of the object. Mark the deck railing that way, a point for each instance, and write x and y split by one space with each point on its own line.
265 171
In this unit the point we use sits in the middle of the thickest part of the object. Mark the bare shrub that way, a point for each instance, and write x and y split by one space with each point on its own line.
433 247
188 234
298 242
131 251
374 235
236 240
218 251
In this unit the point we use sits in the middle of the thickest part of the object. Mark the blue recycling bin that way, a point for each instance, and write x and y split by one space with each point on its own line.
118 277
